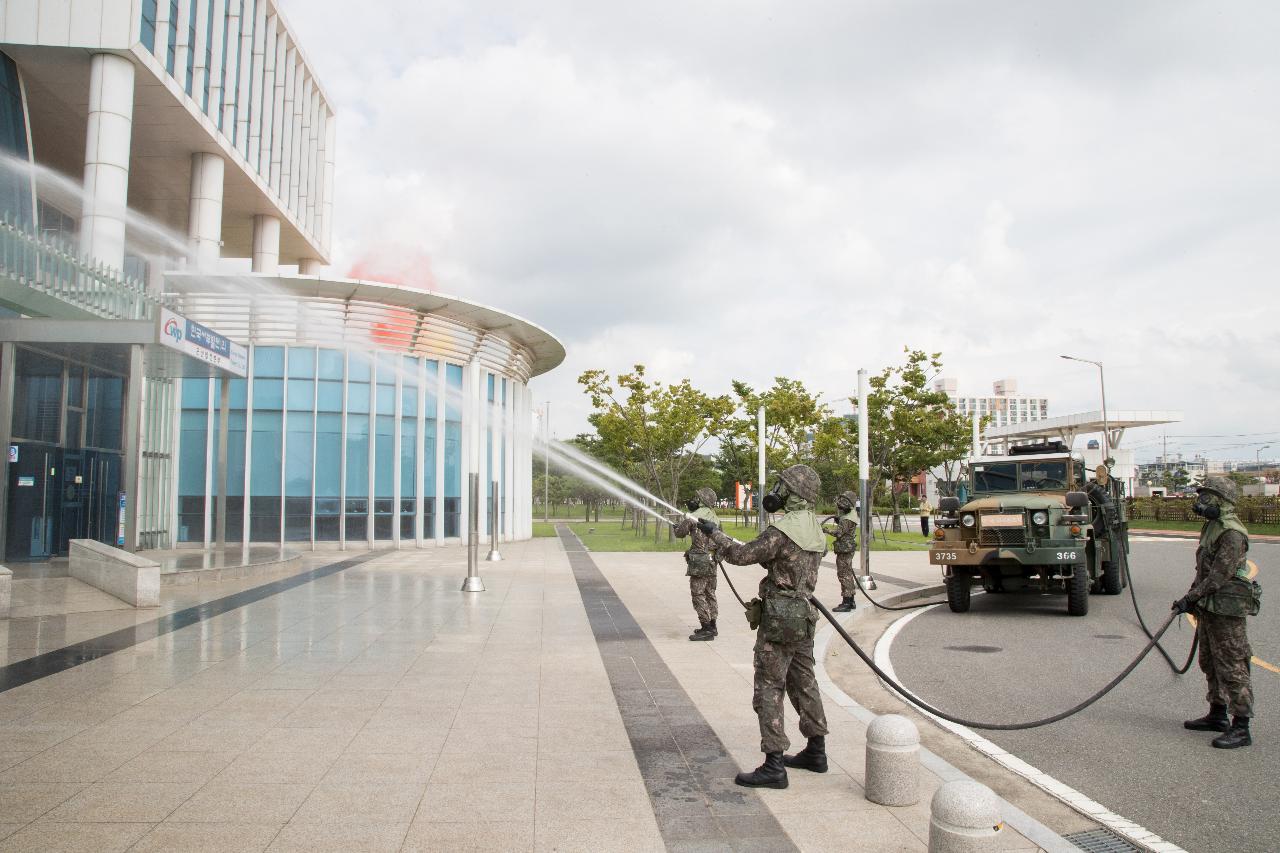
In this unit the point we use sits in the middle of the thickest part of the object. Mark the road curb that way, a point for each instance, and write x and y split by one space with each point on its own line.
1031 829
1065 794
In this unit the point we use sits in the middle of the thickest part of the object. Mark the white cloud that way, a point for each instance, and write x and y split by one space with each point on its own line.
730 190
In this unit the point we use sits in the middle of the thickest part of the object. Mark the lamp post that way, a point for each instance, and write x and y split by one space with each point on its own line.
1106 427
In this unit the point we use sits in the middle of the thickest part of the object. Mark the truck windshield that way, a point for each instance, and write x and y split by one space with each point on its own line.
1014 476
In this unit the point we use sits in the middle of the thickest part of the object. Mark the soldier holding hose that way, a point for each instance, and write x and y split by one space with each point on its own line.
790 551
699 560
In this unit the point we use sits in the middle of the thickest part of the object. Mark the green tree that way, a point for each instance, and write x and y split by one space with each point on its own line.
792 418
654 429
1175 479
912 427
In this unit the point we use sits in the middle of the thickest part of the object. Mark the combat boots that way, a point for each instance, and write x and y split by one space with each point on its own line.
812 757
846 604
1236 736
706 632
771 774
1214 721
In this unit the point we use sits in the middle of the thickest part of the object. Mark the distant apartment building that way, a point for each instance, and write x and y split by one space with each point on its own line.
1005 405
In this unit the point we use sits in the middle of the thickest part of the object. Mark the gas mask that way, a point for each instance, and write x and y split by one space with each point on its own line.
843 506
776 498
692 504
1207 507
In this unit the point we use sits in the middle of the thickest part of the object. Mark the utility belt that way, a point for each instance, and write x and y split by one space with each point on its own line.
699 564
782 617
1239 596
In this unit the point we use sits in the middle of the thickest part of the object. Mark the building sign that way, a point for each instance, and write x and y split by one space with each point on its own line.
13 453
120 523
201 342
26 481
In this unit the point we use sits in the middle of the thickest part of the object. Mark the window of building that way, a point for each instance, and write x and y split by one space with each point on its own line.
37 397
359 389
429 450
15 184
208 57
408 447
453 450
148 34
171 53
191 48
329 443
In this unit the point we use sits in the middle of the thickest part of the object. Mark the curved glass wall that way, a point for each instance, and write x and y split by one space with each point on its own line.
334 445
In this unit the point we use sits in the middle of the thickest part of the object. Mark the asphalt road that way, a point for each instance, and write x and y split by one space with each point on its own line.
1019 656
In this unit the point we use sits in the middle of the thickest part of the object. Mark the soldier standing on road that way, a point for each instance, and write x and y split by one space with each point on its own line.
700 562
844 527
1221 597
790 551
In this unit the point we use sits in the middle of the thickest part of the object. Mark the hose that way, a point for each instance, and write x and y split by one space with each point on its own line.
1133 595
720 563
975 724
867 595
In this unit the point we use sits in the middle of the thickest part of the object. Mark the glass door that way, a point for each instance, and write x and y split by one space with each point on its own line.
33 503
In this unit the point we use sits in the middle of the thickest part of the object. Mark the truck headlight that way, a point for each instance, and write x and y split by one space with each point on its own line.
1040 518
967 519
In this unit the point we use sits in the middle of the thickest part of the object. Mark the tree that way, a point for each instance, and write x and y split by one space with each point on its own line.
792 417
654 429
912 427
1175 479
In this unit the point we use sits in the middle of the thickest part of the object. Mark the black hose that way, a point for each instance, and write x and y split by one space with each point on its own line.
720 563
1133 595
974 724
867 595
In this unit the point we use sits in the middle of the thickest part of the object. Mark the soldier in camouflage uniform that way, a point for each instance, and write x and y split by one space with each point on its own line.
700 562
790 551
1221 597
844 527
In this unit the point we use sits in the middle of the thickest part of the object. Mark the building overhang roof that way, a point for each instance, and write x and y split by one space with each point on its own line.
547 351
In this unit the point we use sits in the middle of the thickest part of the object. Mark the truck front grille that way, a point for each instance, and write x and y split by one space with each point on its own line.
1002 536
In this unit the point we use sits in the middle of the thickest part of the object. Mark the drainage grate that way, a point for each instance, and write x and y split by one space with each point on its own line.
1102 841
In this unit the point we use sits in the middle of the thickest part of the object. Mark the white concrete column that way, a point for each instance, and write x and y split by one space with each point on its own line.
266 244
106 159
204 221
310 266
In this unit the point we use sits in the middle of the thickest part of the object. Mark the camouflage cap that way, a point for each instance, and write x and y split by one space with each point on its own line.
848 496
706 496
1223 487
803 481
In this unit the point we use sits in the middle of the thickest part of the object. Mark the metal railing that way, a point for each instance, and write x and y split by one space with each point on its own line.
48 266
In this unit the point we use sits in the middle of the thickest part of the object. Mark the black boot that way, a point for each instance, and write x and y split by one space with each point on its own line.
812 757
703 633
1236 736
1214 721
711 626
771 774
846 604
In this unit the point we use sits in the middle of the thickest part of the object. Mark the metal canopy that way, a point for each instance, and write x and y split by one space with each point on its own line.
1068 427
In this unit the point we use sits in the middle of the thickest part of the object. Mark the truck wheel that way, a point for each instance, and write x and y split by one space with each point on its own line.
1078 592
958 593
1111 581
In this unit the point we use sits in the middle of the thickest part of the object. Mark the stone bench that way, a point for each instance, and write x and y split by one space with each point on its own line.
6 591
128 577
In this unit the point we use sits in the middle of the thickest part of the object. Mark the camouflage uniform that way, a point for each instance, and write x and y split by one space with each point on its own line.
1224 643
845 545
781 667
702 573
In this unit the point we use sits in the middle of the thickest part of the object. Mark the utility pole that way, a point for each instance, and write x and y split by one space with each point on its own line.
760 472
864 491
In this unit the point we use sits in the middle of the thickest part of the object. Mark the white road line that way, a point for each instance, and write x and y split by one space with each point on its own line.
1073 798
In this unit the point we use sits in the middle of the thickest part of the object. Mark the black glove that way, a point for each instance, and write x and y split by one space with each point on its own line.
1183 605
707 526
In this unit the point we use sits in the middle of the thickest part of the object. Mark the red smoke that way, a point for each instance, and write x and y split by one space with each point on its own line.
395 264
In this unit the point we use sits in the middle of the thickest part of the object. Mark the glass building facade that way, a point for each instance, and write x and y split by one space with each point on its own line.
338 445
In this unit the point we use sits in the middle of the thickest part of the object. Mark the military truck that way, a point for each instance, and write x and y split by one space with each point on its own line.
1032 520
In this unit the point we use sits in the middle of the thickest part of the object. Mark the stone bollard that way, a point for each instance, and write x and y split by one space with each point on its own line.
893 761
964 818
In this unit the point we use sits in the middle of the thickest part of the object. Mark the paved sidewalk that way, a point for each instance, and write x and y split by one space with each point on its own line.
378 708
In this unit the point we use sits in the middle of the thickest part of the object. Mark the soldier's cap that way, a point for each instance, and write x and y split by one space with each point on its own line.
848 496
803 481
1223 487
706 496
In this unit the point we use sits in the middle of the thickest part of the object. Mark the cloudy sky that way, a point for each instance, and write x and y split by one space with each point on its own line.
748 189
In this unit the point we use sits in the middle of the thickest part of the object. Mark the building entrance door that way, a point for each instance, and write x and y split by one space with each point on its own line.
33 503
102 497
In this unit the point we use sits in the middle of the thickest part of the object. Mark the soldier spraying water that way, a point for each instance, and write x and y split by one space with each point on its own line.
790 550
700 562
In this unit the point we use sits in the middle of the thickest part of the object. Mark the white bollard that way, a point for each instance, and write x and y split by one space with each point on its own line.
964 818
893 761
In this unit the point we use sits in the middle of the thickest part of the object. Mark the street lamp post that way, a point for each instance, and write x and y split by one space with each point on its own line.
1106 427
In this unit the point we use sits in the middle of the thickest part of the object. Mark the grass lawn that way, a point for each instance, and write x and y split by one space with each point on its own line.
608 535
1194 526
